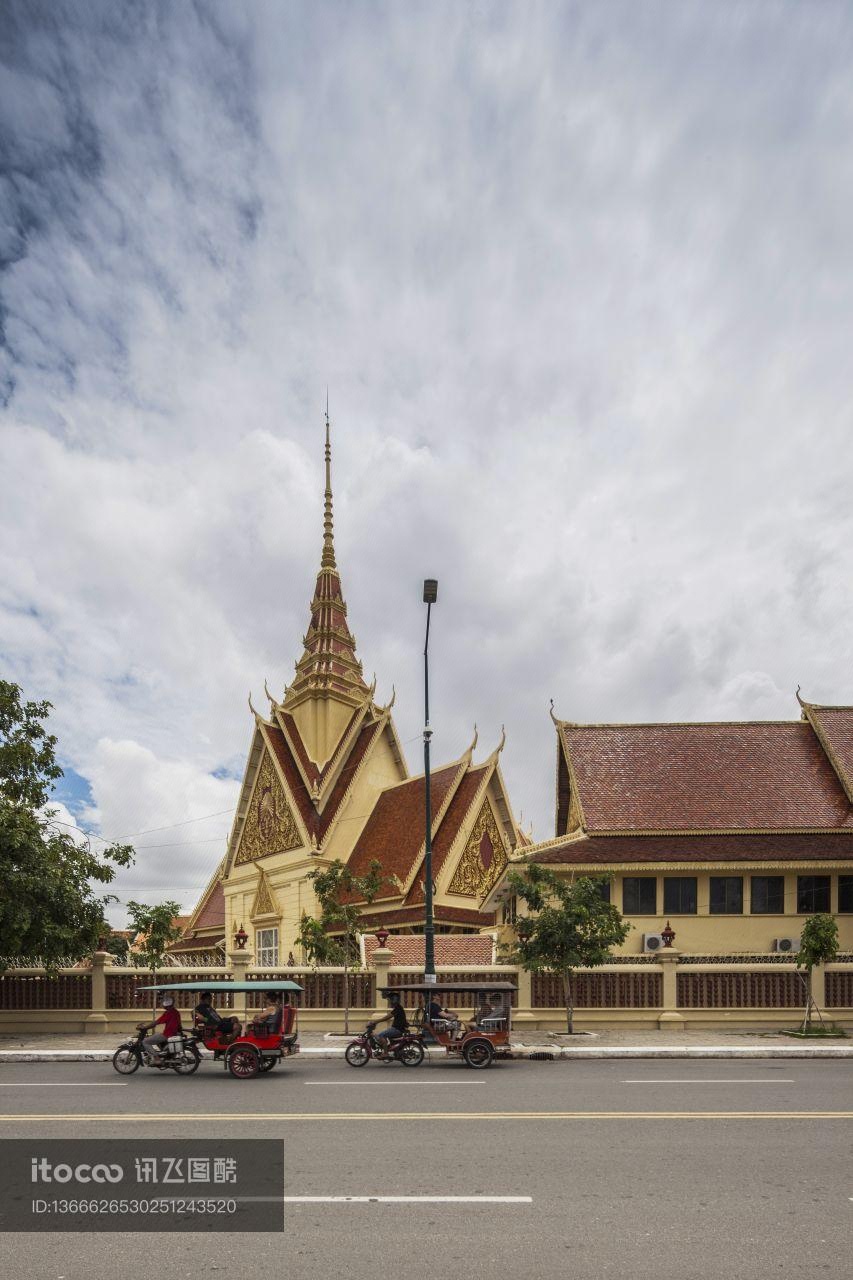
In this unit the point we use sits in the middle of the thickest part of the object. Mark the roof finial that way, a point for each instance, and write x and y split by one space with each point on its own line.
327 560
551 713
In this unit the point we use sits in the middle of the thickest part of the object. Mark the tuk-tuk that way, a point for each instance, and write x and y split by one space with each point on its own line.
261 1044
478 1040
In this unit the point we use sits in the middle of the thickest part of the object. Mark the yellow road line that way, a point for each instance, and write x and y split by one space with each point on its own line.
267 1117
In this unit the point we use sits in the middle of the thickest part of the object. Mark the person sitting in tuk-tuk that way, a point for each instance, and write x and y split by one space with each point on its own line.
269 1023
480 1014
223 1027
436 1012
396 1015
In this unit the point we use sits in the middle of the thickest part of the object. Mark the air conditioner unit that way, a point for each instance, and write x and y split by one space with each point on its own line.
786 944
652 942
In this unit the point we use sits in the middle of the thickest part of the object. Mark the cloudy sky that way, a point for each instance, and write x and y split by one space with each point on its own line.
579 278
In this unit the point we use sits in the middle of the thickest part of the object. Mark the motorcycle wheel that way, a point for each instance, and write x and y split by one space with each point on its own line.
125 1061
189 1062
412 1054
357 1053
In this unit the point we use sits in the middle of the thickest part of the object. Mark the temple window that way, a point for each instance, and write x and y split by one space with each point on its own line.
640 895
679 895
767 896
266 948
845 895
726 896
812 894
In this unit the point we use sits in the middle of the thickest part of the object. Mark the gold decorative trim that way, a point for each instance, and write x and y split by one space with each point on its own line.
483 859
269 826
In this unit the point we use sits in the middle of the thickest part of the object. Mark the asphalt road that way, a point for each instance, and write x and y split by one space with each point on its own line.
689 1169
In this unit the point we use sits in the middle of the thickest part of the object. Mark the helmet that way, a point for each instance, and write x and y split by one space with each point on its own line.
167 1002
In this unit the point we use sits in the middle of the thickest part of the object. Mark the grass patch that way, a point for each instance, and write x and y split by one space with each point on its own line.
826 1031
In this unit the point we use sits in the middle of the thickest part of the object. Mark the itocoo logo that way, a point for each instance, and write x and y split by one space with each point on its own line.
43 1171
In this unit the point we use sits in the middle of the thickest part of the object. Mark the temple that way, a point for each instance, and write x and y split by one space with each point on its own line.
326 779
733 832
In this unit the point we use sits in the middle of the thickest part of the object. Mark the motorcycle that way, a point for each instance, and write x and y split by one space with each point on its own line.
407 1049
179 1054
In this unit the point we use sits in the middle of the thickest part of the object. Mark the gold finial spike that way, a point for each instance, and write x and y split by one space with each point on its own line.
252 709
327 560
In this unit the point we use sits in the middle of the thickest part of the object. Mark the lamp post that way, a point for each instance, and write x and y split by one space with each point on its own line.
430 597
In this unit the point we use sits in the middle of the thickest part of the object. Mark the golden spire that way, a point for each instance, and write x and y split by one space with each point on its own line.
327 560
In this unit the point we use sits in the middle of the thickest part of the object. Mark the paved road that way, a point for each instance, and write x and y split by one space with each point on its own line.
687 1169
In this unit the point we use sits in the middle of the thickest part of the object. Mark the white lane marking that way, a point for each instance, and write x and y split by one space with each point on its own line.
408 1199
719 1080
53 1084
384 1084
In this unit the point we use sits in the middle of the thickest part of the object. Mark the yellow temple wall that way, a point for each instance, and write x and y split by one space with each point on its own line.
705 934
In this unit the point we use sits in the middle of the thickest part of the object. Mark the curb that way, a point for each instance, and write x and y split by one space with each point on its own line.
545 1052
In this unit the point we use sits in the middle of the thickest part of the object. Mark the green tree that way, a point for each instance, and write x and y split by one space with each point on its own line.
818 945
330 938
571 926
155 929
48 905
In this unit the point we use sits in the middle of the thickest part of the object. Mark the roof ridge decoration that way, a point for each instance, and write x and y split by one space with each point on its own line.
328 664
843 769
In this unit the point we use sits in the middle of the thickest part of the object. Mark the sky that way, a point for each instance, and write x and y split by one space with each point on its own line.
579 280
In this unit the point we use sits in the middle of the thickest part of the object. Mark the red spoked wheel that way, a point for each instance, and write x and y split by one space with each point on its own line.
244 1063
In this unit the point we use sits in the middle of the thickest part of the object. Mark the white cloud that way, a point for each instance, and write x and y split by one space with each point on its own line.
580 281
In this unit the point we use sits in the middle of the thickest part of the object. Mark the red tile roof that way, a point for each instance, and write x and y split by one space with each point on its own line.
463 798
212 914
671 777
772 847
456 949
394 831
834 727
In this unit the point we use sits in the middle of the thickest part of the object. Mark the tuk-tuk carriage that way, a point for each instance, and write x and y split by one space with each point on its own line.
261 1044
477 1040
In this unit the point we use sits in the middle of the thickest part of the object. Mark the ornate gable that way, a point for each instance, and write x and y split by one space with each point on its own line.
265 905
483 858
270 826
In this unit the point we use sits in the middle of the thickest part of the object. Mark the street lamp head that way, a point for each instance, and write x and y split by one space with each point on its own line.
430 590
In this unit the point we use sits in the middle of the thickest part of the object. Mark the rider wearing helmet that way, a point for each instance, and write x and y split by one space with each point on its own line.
171 1020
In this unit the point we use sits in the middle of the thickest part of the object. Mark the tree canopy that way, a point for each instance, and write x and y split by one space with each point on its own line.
49 906
571 925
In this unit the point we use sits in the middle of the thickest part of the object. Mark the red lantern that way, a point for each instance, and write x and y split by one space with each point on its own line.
241 937
668 935
381 936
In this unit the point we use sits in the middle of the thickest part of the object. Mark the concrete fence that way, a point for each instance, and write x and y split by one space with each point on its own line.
668 991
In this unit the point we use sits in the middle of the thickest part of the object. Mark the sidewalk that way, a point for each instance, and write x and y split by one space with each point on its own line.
541 1045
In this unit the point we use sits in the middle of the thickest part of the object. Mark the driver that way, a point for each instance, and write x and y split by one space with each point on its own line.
171 1020
396 1015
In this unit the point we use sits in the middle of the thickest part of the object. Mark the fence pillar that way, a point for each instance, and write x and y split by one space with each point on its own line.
240 961
381 959
523 1012
96 1022
669 1019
